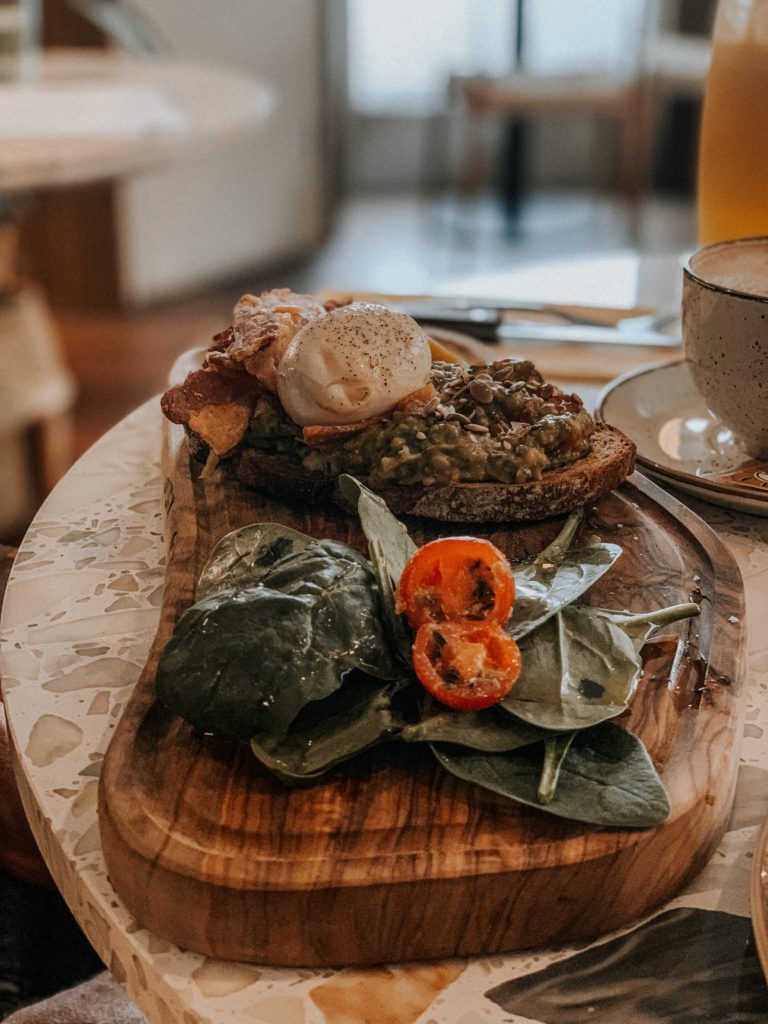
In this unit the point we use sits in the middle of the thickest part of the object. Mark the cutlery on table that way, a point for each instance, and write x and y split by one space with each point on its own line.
498 323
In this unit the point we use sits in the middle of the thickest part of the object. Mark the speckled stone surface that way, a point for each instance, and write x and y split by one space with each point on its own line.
80 613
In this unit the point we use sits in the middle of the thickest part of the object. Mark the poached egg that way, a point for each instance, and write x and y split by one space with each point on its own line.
354 363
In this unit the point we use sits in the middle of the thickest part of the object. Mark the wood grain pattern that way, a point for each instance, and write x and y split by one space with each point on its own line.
391 858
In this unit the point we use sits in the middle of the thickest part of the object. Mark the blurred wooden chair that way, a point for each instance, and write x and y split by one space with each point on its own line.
675 66
629 96
37 393
604 97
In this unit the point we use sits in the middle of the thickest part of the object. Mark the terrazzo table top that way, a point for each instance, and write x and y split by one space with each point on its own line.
80 613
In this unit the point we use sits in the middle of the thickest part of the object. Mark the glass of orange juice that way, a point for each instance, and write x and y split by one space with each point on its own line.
733 148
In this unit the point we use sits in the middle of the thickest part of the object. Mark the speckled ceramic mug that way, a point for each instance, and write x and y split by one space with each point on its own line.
725 330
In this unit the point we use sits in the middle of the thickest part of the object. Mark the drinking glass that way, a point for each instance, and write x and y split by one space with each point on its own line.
733 149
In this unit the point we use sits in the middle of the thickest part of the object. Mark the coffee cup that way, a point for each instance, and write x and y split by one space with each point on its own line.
725 332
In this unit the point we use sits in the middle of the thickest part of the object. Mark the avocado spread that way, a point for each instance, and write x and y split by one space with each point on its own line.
499 423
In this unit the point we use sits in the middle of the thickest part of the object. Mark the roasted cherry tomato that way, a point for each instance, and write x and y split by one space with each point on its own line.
466 665
456 578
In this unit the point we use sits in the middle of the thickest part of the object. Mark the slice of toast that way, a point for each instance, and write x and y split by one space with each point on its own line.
610 461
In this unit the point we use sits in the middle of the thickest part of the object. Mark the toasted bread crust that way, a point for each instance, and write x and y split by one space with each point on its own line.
610 461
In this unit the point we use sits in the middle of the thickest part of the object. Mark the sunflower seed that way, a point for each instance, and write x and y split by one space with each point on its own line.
481 391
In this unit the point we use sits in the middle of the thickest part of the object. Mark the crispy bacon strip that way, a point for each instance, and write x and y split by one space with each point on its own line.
221 426
218 400
262 329
207 387
216 404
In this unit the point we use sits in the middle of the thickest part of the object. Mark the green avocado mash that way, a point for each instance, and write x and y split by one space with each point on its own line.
498 423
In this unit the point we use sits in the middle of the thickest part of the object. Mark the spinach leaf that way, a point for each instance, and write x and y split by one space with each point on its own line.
606 778
390 547
248 658
243 556
583 665
488 730
556 577
286 646
379 524
327 732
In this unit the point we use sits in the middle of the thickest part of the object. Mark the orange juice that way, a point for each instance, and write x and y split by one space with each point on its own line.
733 151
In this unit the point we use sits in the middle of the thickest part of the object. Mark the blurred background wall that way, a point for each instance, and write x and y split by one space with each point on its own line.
368 105
259 202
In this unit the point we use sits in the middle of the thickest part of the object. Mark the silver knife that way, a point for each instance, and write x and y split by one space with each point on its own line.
487 323
484 309
566 334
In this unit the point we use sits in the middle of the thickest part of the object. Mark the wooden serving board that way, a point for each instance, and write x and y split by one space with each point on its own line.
392 858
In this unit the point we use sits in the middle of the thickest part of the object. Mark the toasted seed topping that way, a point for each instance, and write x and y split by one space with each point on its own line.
481 391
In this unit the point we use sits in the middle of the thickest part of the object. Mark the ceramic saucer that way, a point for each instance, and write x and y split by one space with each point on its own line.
680 442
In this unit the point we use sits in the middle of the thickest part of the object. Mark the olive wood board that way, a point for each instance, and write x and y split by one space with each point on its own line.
390 858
